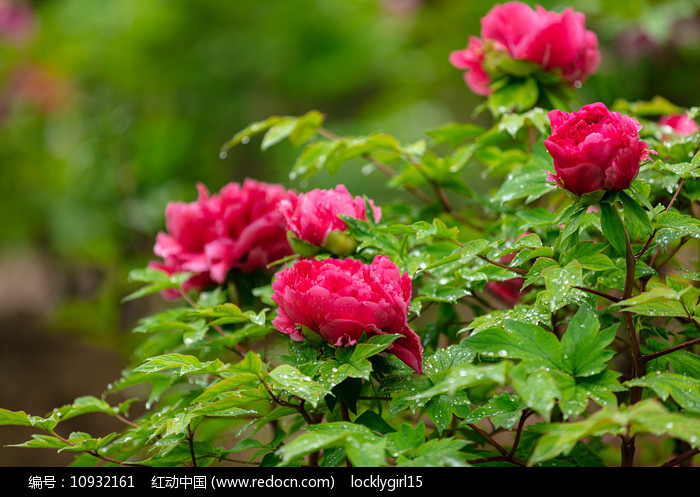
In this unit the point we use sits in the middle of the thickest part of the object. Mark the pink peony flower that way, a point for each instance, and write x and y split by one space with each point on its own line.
239 228
680 124
313 216
595 149
471 60
554 41
17 21
339 299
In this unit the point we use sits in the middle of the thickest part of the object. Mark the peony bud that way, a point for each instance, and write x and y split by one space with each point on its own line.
313 218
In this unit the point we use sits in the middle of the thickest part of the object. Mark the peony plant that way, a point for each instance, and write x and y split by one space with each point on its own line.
395 350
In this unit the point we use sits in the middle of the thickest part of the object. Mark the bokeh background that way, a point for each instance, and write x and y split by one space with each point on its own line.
111 108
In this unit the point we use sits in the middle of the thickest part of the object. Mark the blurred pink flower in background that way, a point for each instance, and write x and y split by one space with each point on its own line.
16 21
680 124
554 41
339 299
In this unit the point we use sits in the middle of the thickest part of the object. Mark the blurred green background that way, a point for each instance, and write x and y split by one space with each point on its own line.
111 108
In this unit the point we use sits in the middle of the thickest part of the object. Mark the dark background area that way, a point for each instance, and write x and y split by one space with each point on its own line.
110 109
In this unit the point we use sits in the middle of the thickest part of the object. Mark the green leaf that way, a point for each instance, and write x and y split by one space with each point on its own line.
44 442
14 418
462 376
306 127
362 446
373 346
529 183
455 133
574 393
253 129
349 148
437 229
311 159
636 218
517 95
226 385
685 390
647 416
536 346
187 364
406 438
583 348
683 224
612 227
278 132
332 373
657 301
596 262
504 410
292 382
445 452
85 405
158 279
535 272
559 282
538 390
374 422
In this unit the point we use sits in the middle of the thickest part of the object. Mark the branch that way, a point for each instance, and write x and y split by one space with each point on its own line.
496 445
526 413
298 407
679 459
382 167
190 440
503 266
685 345
639 254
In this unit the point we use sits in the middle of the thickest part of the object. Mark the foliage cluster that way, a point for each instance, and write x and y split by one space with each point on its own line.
596 359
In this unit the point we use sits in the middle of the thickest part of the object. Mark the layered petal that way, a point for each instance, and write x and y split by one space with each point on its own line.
240 228
340 299
595 149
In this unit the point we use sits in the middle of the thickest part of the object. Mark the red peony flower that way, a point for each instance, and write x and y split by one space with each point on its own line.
595 149
554 41
341 299
239 228
680 124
